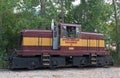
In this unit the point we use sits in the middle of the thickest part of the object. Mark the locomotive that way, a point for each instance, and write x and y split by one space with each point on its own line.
64 45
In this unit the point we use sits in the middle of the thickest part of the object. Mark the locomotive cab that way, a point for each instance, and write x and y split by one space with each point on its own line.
69 32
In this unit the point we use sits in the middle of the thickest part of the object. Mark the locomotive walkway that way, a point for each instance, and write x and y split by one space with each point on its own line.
112 72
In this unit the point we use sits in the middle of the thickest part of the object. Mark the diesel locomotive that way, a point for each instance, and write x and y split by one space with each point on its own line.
63 45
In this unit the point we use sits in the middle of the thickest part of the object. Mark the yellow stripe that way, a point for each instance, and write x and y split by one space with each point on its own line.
82 42
102 43
34 41
93 43
45 41
30 41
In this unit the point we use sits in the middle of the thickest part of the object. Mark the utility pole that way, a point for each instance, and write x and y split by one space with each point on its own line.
117 31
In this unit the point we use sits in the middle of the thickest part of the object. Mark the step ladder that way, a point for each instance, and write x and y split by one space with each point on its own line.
93 59
46 60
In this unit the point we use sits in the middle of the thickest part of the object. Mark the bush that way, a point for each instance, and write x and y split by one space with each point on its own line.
3 63
116 59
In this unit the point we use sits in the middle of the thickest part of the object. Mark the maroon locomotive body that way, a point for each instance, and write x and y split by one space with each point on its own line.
65 45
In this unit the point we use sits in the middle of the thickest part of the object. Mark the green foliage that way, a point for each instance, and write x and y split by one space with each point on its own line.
12 23
92 14
3 63
115 57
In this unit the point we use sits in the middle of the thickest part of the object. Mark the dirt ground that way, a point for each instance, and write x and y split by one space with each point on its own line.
112 72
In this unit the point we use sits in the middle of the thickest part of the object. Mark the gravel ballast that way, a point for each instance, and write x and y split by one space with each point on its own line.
112 72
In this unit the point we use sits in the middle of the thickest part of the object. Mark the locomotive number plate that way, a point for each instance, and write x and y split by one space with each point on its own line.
71 48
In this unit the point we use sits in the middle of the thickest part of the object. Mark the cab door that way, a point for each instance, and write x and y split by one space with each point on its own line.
56 38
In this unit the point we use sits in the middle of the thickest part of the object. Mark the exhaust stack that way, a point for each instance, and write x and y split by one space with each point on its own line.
52 24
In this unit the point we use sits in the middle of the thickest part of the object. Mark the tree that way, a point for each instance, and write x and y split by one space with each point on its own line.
116 24
92 14
6 6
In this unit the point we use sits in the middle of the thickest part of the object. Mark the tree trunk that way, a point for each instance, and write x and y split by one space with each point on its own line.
62 12
42 13
0 24
117 31
1 31
42 8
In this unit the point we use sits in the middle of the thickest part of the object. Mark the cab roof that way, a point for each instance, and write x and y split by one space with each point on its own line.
66 24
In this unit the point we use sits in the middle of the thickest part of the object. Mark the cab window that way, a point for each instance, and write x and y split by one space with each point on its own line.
64 34
70 32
